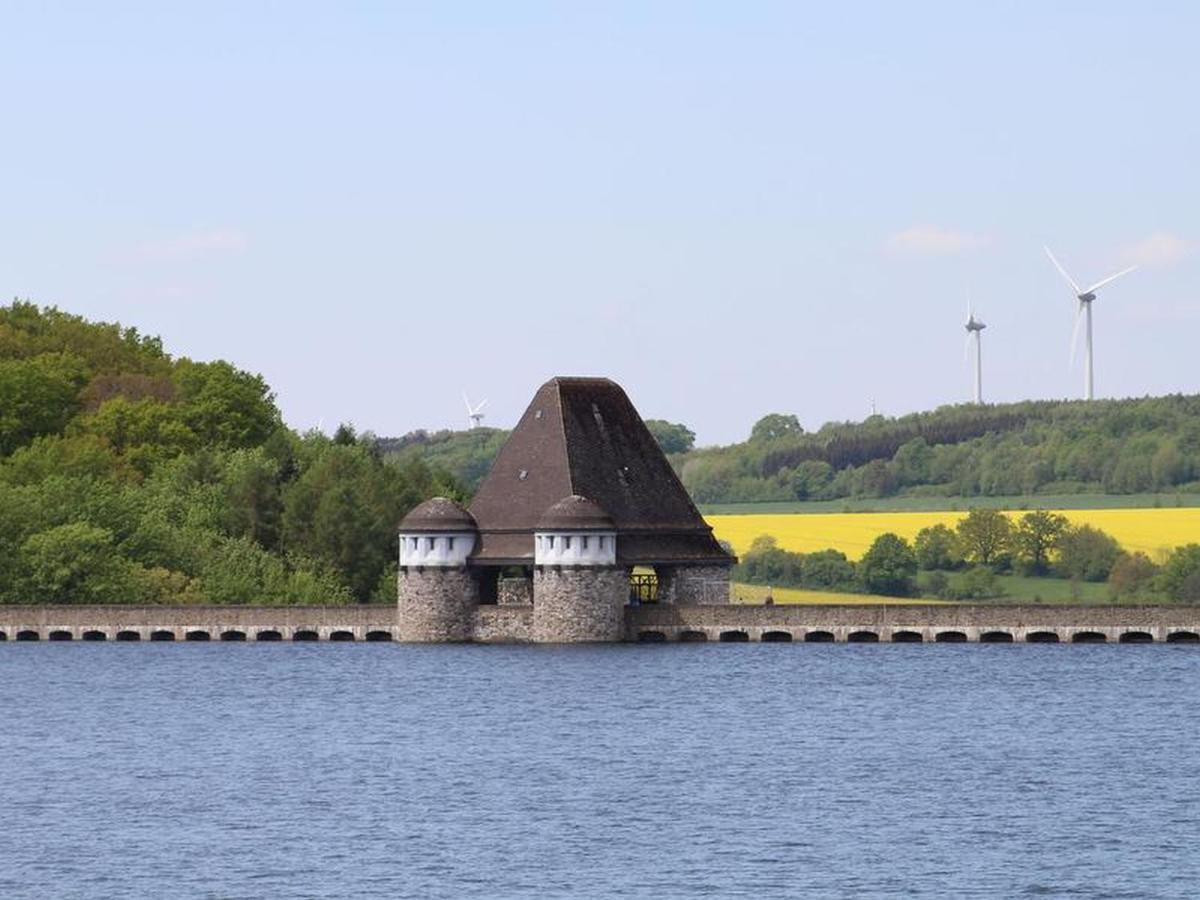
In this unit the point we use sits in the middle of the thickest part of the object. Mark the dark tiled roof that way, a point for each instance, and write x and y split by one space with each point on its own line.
575 513
438 514
582 436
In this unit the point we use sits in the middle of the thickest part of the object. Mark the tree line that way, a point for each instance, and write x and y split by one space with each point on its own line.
963 562
128 476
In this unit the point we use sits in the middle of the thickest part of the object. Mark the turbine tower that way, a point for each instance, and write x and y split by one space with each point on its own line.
1084 311
974 329
474 413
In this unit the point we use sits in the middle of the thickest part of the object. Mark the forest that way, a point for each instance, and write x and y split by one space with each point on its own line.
1021 449
129 476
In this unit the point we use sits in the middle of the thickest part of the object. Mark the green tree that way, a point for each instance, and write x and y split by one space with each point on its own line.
672 437
1132 575
811 479
76 563
1036 534
774 426
225 406
37 396
889 566
1086 553
936 547
984 536
1180 576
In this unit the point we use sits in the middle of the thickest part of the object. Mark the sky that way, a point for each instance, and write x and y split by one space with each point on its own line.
730 208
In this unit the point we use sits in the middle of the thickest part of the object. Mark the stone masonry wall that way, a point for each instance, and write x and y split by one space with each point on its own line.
509 624
708 585
578 604
515 592
437 604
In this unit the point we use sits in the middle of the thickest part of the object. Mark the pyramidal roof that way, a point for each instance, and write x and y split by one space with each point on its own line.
582 436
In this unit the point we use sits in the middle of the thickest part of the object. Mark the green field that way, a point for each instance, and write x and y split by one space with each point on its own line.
955 504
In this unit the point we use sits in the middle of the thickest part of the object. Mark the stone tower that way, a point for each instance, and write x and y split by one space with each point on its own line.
579 591
437 590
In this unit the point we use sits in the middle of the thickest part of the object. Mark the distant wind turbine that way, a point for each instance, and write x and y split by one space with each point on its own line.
474 413
1085 296
974 330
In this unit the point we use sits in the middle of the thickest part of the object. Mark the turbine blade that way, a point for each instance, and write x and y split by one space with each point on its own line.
1075 333
481 405
1062 271
468 403
967 349
1109 280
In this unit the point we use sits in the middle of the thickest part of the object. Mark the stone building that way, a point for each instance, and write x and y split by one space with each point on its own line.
580 516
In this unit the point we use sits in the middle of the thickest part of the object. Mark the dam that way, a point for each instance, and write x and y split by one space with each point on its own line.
645 623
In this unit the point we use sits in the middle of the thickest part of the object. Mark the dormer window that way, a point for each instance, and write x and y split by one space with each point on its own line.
429 544
567 542
449 543
585 541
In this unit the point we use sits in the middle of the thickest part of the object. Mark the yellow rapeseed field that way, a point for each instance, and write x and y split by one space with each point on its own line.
756 593
1154 532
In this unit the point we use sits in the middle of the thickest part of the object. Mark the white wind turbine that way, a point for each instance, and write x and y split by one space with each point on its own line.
474 413
1084 311
974 330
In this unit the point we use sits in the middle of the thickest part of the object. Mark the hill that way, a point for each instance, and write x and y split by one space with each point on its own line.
129 476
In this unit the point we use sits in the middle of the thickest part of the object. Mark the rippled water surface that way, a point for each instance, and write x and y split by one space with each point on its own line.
337 770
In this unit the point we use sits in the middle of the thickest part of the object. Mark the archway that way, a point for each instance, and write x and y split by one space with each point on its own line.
1041 637
304 636
906 637
1088 637
341 636
379 636
60 635
28 635
268 634
734 637
995 637
651 637
950 637
862 637
94 636
1183 637
233 635
818 637
162 635
692 637
197 635
128 636
777 637
1136 637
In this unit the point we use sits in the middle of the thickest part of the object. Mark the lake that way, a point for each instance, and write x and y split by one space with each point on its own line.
754 770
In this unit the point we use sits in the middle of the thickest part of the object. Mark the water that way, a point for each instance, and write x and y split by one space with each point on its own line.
334 770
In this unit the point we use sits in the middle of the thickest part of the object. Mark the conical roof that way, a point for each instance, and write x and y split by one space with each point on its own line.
438 514
575 513
582 437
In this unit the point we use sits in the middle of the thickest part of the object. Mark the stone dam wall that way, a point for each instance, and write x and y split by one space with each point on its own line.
514 623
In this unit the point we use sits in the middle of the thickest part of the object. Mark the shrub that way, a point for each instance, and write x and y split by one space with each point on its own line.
889 566
1086 553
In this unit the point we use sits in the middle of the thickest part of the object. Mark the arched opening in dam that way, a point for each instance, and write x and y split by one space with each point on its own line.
379 636
268 634
651 637
777 637
906 637
28 635
3 635
197 635
233 635
818 637
59 635
93 636
1041 637
1136 637
162 635
1088 637
862 637
1183 637
128 636
995 637
304 636
692 637
734 637
950 637
341 636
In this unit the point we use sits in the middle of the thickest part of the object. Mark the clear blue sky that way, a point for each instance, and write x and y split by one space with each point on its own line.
731 208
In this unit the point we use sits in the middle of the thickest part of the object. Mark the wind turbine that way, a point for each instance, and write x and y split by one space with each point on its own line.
474 413
974 329
1084 311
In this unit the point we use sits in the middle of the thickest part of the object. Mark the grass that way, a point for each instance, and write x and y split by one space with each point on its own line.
954 504
756 593
1154 532
1026 589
